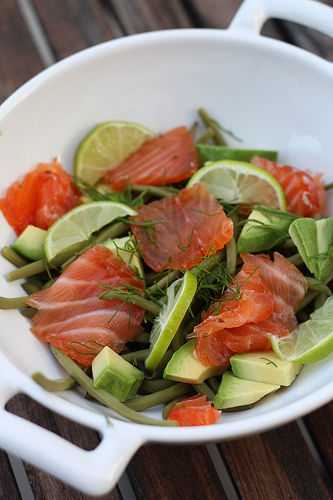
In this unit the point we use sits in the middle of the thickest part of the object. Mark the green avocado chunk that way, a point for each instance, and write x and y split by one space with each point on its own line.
264 367
264 229
215 153
236 392
184 366
116 375
30 243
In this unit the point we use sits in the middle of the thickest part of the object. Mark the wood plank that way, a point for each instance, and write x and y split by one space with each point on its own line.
44 485
8 487
19 59
213 13
319 424
136 16
217 14
170 472
73 25
275 465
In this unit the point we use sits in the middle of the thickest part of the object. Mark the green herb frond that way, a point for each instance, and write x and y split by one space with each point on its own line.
102 193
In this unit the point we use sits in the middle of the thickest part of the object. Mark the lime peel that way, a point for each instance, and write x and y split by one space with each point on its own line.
179 297
312 341
105 146
240 182
77 226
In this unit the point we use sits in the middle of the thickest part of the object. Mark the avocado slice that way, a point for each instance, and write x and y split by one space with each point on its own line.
184 366
116 375
264 229
30 243
236 392
264 367
125 249
215 153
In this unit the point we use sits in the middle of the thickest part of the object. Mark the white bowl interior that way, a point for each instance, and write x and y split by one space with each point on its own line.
272 97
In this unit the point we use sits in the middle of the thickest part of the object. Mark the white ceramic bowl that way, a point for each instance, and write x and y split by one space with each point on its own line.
273 95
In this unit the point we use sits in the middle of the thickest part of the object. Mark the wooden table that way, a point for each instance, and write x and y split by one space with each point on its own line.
293 462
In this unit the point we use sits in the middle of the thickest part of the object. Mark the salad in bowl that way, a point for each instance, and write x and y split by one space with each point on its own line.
170 269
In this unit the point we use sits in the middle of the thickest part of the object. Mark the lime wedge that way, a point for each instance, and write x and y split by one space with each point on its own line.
106 146
179 298
240 182
311 341
76 227
125 249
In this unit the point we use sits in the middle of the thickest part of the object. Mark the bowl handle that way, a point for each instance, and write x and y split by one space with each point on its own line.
94 472
253 13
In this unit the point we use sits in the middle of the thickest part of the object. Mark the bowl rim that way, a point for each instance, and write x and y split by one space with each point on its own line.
253 41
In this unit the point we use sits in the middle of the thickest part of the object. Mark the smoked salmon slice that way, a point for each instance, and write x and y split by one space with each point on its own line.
304 191
178 232
71 316
196 410
167 159
240 325
40 198
215 349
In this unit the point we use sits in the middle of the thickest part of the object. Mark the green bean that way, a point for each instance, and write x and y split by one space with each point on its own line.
141 403
320 300
102 396
58 385
207 265
132 298
178 340
211 123
48 283
206 136
193 129
329 186
288 244
213 383
205 390
151 277
163 282
113 231
296 259
161 192
318 286
135 356
165 360
32 286
13 302
185 328
231 253
168 407
28 312
150 386
13 257
27 271
309 297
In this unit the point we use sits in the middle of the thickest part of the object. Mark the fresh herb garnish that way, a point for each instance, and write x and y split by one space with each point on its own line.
270 362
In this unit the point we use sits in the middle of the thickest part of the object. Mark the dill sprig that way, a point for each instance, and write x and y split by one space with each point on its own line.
212 282
102 193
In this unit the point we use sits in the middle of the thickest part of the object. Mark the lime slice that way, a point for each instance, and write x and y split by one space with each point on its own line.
240 182
125 249
106 146
76 227
311 341
179 298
